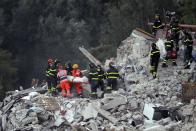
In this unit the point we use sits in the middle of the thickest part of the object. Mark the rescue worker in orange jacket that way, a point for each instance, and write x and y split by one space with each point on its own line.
51 76
64 83
77 73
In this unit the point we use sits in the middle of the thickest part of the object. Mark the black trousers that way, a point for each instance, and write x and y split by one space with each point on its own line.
51 82
101 85
112 83
188 53
154 63
94 86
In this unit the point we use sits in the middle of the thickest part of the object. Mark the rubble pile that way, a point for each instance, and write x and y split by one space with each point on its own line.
142 104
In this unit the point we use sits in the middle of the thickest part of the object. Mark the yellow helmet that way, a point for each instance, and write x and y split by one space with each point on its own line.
75 66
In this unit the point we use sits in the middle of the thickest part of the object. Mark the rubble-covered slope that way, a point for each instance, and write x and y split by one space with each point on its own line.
128 109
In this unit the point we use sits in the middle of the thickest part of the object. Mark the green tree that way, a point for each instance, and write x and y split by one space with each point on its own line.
188 9
7 72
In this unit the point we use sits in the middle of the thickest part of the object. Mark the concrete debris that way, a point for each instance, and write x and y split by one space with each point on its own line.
114 103
140 104
89 112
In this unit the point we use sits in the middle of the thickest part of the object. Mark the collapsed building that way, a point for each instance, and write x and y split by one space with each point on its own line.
141 103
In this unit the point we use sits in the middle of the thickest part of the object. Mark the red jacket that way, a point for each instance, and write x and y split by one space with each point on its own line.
76 73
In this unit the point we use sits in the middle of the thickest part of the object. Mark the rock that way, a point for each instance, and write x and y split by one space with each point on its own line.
89 112
114 103
93 126
156 128
106 115
29 120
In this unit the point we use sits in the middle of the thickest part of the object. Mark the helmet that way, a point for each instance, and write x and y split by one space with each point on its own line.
111 64
50 61
91 65
75 66
153 45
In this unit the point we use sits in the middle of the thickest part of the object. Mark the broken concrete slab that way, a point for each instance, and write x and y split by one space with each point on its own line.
156 128
115 102
106 115
93 126
89 112
8 106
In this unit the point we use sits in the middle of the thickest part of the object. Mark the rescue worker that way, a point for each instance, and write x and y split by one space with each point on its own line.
157 24
169 47
188 42
93 80
50 77
77 73
175 32
112 75
64 83
154 60
101 75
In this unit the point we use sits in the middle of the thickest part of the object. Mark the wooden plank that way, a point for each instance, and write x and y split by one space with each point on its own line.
90 56
145 34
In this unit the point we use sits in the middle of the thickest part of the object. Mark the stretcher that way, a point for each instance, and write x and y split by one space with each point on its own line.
73 79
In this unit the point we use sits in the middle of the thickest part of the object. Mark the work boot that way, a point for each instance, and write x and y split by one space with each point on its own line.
164 65
174 63
187 67
154 75
108 89
69 94
94 95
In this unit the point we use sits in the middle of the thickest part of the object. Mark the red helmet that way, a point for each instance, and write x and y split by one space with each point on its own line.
50 61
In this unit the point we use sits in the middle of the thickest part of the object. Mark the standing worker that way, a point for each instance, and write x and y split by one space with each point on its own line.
51 77
94 80
112 75
154 60
188 42
175 32
77 73
101 75
169 47
64 83
157 24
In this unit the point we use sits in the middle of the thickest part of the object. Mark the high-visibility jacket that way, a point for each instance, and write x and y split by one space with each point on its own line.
188 41
112 73
155 55
51 71
62 75
169 44
157 24
93 75
101 74
175 28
